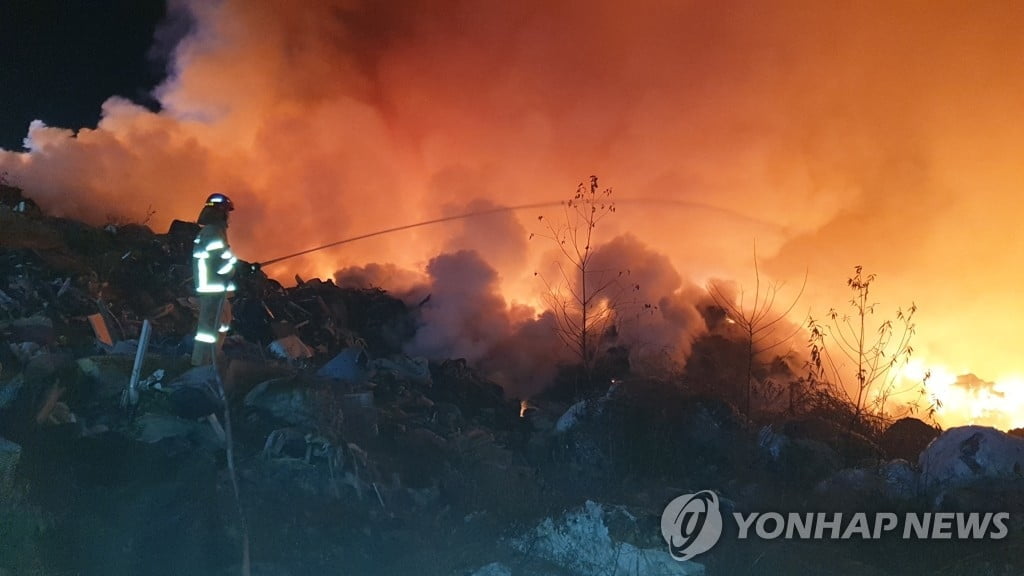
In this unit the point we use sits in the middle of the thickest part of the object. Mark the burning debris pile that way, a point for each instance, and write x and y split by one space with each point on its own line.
330 413
355 449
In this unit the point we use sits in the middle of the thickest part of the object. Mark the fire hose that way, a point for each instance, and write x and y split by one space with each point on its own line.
496 210
500 209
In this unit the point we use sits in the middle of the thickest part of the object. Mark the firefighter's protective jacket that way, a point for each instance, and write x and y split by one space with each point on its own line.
213 264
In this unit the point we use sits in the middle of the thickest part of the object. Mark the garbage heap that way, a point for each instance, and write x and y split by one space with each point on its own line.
353 457
326 408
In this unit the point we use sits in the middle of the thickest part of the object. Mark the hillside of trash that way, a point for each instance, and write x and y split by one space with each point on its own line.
353 457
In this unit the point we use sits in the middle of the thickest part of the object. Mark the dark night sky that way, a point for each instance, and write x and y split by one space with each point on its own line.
63 58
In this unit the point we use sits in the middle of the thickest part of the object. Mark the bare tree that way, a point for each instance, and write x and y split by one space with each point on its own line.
583 298
870 349
758 321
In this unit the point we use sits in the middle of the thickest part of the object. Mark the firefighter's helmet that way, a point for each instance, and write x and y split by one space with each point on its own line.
221 201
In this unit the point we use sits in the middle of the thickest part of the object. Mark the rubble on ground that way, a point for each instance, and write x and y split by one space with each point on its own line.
581 543
887 486
345 445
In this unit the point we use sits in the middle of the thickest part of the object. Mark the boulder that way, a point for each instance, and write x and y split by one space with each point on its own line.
906 438
900 481
576 413
580 543
968 454
852 447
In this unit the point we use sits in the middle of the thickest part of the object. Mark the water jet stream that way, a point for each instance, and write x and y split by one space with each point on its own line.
500 209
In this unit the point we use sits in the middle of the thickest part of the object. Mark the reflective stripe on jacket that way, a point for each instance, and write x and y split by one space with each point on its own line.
213 263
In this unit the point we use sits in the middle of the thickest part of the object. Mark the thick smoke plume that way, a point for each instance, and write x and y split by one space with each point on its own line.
657 313
467 317
880 134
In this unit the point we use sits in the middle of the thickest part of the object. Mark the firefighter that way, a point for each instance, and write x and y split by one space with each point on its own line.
213 269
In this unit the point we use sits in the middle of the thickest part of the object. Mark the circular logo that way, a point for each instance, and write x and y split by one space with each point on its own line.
691 524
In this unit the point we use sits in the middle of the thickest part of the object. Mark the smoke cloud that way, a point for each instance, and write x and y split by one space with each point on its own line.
833 134
466 314
658 315
467 317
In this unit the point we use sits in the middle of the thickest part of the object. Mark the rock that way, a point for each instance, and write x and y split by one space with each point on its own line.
350 365
571 417
802 462
10 453
906 438
580 543
852 447
591 407
970 453
900 481
863 489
